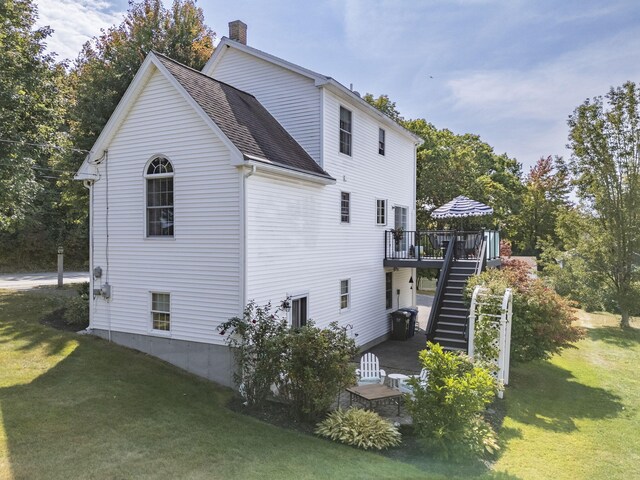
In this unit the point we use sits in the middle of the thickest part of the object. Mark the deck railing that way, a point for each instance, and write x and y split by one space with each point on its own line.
432 244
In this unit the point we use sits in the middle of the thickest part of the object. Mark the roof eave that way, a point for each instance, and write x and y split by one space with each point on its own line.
339 89
287 171
227 42
319 79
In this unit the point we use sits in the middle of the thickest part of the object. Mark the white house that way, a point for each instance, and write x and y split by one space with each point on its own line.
253 179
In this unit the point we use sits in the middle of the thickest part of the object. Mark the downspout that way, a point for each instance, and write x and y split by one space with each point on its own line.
415 219
104 158
88 184
243 281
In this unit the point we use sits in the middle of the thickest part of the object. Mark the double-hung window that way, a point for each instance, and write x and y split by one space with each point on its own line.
381 212
299 311
159 178
345 131
381 141
345 294
345 207
161 311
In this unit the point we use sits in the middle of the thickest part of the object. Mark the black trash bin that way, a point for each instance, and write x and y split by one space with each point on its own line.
413 312
400 324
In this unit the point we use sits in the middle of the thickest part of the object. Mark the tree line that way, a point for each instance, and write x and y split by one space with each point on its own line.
51 113
588 248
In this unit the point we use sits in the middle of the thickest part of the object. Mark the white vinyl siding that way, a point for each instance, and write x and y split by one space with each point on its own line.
199 265
294 237
292 99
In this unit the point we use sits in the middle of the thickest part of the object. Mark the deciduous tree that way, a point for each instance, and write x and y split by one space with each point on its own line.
605 139
545 197
30 111
449 165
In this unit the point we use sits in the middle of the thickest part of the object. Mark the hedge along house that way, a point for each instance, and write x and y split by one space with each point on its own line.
255 179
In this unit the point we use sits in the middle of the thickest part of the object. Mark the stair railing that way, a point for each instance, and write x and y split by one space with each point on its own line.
442 285
480 267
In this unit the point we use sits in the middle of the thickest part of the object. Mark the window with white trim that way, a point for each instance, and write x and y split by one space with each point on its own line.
161 311
159 178
299 311
345 294
381 141
345 131
345 207
381 212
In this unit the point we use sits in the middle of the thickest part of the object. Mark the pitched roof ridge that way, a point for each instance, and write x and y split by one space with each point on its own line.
200 73
274 57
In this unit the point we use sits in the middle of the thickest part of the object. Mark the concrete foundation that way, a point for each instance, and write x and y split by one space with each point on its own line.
214 362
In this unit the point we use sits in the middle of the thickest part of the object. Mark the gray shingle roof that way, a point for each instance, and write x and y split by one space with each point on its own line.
249 126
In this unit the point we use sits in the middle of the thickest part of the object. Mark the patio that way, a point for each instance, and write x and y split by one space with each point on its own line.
401 356
398 356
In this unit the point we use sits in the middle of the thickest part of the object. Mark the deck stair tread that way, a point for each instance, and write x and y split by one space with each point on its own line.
451 319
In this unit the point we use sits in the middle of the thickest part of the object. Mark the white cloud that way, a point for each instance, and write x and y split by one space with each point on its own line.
74 22
526 110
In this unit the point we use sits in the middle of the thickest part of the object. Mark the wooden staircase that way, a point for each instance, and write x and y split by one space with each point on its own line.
451 323
449 313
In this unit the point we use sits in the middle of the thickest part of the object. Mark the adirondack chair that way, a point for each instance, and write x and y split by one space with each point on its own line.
370 371
404 387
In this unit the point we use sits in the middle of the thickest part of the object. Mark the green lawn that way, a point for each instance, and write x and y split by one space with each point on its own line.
77 407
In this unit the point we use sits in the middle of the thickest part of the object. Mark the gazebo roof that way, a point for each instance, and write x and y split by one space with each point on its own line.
462 207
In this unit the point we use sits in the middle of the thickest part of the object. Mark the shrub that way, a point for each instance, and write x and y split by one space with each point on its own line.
359 428
83 289
308 365
317 367
76 313
542 321
257 342
447 412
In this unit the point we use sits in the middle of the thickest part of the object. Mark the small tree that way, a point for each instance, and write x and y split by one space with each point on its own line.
318 367
447 412
257 340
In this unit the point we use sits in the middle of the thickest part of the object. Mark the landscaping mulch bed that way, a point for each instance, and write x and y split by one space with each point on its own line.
274 413
56 320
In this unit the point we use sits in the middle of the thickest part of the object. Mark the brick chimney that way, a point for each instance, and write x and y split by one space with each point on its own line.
238 31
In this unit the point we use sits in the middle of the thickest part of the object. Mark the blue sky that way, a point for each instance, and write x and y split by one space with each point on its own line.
511 71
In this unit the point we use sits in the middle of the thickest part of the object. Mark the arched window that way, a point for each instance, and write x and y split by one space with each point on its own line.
159 177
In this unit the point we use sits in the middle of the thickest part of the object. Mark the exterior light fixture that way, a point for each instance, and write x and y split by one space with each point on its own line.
286 304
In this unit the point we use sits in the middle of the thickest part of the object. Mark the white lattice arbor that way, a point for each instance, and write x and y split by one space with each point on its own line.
490 331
